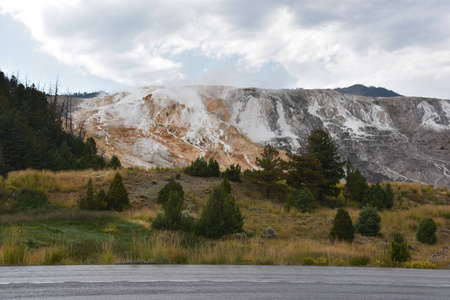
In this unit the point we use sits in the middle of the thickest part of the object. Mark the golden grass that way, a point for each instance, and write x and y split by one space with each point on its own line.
66 181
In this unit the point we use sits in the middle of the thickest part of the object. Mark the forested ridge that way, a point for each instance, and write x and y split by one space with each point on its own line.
32 136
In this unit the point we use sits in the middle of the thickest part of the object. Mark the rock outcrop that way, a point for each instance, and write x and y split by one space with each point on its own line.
397 138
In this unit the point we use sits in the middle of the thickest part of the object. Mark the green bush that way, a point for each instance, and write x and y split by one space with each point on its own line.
375 197
114 163
233 173
399 250
221 215
201 168
301 199
117 195
172 185
368 222
173 219
28 199
426 232
342 226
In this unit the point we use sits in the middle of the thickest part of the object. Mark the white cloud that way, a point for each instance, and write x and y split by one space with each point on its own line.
326 44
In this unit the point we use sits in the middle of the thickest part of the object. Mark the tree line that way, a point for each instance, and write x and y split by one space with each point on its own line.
32 135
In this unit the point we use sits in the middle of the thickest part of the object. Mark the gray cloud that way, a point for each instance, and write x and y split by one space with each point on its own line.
397 44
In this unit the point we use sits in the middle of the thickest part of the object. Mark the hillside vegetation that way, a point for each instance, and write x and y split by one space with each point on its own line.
62 233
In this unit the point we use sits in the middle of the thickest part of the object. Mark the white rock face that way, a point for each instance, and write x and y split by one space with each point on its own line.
403 139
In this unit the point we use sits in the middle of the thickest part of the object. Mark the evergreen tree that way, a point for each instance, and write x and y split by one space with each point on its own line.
356 186
101 201
399 249
198 168
320 144
304 171
233 173
214 169
270 168
342 227
388 196
368 222
426 232
301 199
114 163
172 185
87 201
221 215
226 186
375 196
117 195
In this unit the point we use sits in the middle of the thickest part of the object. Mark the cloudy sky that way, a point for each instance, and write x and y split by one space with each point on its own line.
113 45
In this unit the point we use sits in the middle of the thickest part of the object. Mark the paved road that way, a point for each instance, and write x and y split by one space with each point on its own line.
221 282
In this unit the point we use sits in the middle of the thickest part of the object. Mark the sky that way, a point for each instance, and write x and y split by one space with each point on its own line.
114 45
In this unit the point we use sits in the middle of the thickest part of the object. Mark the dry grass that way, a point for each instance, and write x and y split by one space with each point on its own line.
64 181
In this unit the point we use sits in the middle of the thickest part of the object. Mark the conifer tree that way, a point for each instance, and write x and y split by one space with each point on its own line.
117 195
368 222
87 201
221 215
426 232
172 185
321 144
342 227
388 196
271 168
114 163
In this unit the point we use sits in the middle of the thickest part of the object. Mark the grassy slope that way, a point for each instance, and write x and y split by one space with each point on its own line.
72 236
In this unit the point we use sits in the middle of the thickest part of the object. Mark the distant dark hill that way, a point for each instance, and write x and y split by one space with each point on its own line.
359 89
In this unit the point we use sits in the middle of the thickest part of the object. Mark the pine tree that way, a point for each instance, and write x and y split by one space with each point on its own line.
356 186
172 185
342 227
388 196
87 201
304 171
375 196
399 249
301 199
233 173
368 222
114 163
271 168
426 232
214 169
221 215
321 144
117 195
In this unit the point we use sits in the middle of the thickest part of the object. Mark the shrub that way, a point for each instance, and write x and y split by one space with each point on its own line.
233 173
221 215
173 219
301 199
368 222
163 193
399 250
426 232
28 199
342 226
117 195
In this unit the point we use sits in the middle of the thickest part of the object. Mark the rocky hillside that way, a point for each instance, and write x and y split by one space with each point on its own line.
396 138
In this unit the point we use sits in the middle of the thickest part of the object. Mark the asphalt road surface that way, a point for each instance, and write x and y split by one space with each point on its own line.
221 282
